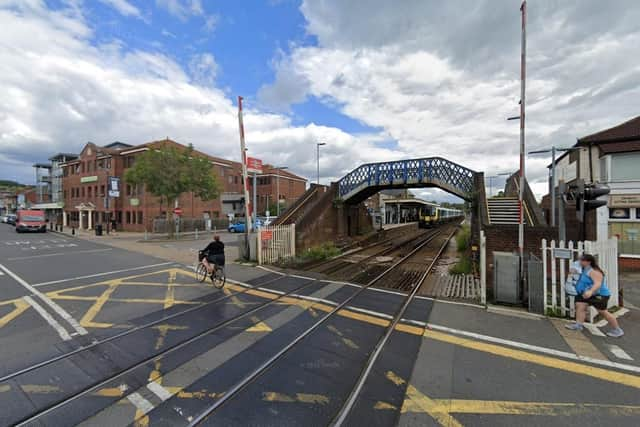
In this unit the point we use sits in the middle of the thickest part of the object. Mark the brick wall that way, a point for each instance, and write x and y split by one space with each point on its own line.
571 221
504 238
628 264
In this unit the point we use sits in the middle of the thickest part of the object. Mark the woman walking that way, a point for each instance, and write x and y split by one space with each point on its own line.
593 291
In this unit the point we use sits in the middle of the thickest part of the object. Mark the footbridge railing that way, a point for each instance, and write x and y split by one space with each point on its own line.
430 171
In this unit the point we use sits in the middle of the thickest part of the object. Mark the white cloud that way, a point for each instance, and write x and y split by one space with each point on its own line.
182 9
123 7
203 68
62 90
440 78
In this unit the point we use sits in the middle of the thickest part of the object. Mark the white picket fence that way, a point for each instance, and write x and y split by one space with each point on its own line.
605 251
275 243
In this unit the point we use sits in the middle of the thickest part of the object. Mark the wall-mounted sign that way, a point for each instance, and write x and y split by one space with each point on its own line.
624 200
254 165
619 213
266 235
86 179
114 186
134 202
562 253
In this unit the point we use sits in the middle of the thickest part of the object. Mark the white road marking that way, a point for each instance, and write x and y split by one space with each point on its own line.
59 254
159 391
618 352
106 273
61 311
593 329
618 313
1 273
530 347
47 317
140 402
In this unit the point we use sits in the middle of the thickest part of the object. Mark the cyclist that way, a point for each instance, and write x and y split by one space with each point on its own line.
214 255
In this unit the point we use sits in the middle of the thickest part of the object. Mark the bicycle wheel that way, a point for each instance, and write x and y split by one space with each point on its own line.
201 272
218 278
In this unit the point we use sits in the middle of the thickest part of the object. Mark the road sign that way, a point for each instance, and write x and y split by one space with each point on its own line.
113 189
177 211
254 165
266 235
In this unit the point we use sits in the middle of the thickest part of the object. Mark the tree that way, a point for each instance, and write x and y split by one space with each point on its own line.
168 171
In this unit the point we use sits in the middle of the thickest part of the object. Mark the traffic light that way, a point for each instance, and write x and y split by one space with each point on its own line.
586 196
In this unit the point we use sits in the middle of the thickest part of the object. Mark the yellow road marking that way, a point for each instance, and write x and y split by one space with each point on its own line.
415 401
391 376
384 406
533 408
576 340
163 330
316 399
573 367
87 319
258 326
4 388
169 298
110 392
21 306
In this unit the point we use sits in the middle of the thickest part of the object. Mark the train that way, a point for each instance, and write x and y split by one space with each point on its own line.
431 215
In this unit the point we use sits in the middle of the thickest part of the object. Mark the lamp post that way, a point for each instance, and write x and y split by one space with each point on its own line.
552 178
318 144
278 169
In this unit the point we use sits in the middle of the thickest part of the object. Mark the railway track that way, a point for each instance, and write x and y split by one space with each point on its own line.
59 407
252 377
96 349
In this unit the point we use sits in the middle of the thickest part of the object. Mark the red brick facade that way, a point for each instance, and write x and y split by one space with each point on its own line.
85 189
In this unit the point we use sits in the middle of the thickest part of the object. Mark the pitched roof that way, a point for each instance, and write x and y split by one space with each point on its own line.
627 131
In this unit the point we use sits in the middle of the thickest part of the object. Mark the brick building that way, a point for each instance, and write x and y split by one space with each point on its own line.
610 157
275 181
85 186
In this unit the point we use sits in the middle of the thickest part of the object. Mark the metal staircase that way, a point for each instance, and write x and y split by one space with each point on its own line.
504 210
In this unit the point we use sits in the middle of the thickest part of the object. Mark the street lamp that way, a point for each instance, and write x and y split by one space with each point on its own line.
278 169
552 184
318 144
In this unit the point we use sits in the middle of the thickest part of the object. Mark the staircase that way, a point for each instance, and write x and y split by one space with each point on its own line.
504 210
303 204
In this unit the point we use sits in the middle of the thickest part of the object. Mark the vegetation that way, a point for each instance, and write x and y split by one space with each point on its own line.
168 171
463 242
320 253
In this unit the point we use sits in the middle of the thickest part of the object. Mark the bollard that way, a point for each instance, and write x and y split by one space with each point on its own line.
196 234
73 231
146 234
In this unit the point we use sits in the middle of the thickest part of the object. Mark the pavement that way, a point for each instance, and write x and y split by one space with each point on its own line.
97 331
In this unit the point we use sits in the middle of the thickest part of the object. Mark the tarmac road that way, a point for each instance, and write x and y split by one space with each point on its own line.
176 347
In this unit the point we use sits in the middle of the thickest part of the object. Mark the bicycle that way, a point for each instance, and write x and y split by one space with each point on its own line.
218 277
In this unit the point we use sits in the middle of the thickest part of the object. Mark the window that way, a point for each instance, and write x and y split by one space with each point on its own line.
619 213
139 217
128 217
604 173
107 164
230 179
102 190
88 191
624 167
82 192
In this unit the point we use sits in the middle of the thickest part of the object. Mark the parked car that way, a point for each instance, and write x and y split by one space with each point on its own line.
30 220
236 227
3 219
11 219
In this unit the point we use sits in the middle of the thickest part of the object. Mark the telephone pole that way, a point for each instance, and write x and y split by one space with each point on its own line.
245 179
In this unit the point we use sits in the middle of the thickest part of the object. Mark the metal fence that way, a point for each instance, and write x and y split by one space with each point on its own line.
555 266
186 225
276 243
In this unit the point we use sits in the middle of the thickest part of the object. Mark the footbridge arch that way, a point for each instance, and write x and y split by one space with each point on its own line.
370 178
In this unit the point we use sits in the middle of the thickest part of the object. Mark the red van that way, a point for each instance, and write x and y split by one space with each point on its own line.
30 220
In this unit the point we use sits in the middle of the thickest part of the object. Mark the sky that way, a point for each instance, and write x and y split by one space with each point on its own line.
373 79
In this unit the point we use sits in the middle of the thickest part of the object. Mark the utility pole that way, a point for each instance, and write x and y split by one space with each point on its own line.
318 144
523 77
245 178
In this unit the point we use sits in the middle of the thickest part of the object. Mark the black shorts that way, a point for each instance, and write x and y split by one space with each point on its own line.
217 259
597 301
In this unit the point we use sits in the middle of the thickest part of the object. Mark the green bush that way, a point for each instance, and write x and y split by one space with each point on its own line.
463 238
463 266
319 253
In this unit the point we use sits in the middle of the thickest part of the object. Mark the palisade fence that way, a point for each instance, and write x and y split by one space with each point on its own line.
556 260
276 243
